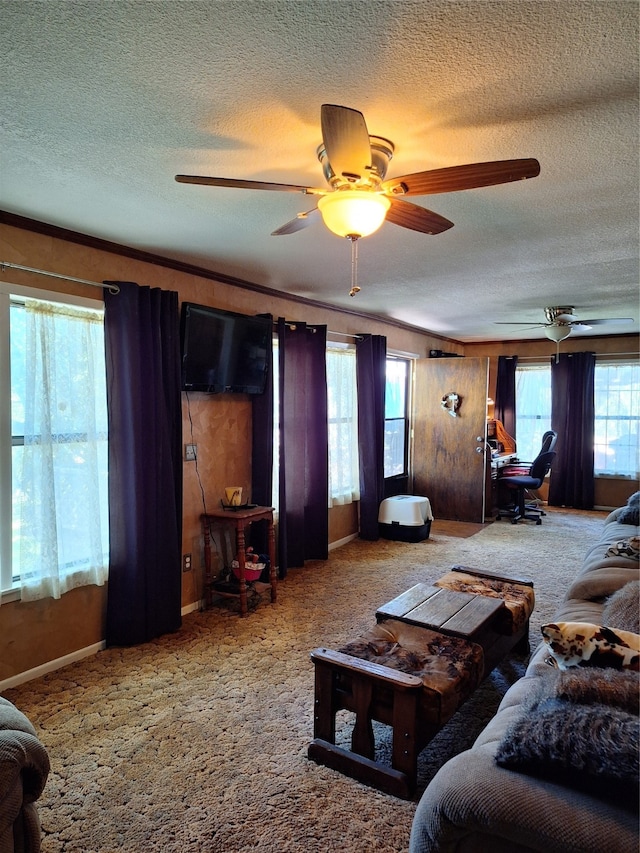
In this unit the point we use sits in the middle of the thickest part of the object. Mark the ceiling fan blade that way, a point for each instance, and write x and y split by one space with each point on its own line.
301 221
602 321
520 323
531 328
456 178
248 185
346 141
416 218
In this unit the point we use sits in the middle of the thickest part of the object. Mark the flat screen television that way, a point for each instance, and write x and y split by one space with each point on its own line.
222 351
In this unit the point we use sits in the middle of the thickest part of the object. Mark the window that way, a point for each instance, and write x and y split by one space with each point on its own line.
533 408
342 407
617 422
53 444
617 408
396 421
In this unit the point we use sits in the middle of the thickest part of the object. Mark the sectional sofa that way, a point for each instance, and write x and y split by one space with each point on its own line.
24 767
556 769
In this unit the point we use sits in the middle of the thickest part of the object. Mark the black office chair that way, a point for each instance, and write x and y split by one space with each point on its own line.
548 441
521 483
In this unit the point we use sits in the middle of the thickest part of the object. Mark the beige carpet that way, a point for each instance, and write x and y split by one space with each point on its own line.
197 742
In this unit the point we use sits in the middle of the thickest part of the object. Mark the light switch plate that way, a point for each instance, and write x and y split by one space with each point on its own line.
190 452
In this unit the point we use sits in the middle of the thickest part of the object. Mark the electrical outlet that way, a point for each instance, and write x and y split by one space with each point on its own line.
190 452
186 562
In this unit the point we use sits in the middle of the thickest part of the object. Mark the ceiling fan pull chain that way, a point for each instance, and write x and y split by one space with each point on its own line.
354 265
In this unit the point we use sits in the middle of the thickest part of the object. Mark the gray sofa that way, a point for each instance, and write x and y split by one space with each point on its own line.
472 805
24 767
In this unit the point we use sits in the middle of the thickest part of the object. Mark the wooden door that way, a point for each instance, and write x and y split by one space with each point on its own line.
449 461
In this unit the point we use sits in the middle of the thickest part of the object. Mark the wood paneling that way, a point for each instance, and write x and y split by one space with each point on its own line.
447 468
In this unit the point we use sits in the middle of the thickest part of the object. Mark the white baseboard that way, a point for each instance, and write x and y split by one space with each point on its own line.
51 666
340 542
80 654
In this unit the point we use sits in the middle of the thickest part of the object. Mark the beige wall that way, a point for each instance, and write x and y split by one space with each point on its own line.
33 633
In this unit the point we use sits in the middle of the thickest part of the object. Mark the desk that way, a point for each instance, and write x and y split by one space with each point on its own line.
498 462
240 519
502 459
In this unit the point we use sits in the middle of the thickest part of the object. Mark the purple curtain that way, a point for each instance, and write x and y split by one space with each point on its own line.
505 402
573 418
303 524
371 373
262 454
142 333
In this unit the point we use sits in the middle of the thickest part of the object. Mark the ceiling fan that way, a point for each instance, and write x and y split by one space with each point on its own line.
561 321
359 199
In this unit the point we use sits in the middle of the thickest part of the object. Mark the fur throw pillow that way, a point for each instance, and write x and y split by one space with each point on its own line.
589 747
631 513
617 688
622 610
584 644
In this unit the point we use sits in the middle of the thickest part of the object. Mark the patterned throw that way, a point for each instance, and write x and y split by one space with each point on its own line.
519 598
450 668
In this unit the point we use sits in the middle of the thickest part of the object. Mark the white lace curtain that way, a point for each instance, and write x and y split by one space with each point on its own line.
64 534
344 476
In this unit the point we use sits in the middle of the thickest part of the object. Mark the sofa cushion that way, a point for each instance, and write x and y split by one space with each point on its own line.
601 577
584 644
589 747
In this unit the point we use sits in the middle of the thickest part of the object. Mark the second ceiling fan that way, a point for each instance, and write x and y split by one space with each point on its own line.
561 321
359 199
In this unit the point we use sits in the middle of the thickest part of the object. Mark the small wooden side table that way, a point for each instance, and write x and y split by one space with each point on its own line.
240 519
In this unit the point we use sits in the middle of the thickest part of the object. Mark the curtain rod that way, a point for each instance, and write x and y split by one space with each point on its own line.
112 288
345 335
597 355
312 326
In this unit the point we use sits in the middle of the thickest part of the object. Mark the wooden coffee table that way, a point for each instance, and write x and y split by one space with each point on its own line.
458 614
477 618
406 701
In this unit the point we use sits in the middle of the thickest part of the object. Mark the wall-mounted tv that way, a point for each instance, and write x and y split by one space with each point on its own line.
222 351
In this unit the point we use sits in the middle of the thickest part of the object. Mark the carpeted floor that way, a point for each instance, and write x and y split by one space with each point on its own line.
197 742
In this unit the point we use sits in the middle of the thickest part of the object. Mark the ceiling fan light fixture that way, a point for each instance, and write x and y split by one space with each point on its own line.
353 213
557 333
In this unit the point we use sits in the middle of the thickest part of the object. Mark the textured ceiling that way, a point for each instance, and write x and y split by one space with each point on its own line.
102 103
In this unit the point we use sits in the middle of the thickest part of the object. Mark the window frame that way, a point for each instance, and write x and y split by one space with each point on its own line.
341 499
602 360
614 361
9 292
531 453
396 357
